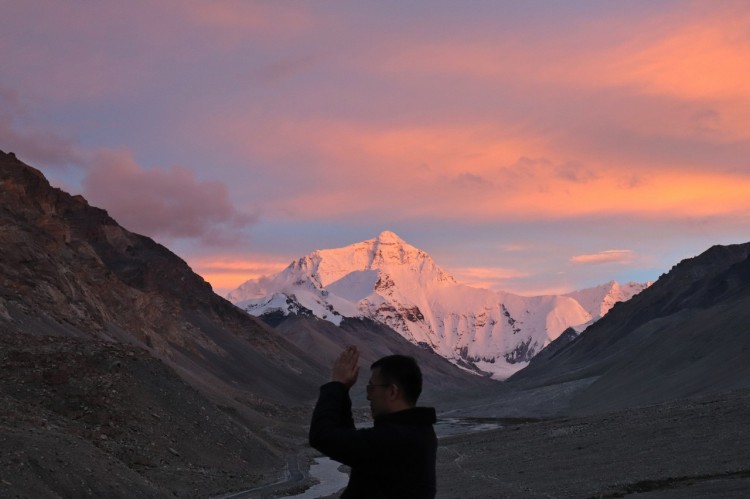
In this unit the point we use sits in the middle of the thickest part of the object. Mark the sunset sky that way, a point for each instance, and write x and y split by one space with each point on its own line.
532 147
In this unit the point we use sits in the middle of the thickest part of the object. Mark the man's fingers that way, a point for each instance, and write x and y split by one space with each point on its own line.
346 355
350 355
346 368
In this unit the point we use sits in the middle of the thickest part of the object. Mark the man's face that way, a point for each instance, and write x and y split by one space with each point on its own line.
377 394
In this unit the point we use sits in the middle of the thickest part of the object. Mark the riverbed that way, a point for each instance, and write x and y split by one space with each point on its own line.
330 479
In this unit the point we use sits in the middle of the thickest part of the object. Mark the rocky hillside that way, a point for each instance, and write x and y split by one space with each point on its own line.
686 335
112 346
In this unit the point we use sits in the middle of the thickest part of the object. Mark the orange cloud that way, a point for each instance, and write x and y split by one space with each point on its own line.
525 189
609 256
345 147
485 277
697 56
707 57
444 165
691 53
226 274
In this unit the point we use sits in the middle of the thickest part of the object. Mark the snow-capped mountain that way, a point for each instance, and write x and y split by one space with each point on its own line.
389 281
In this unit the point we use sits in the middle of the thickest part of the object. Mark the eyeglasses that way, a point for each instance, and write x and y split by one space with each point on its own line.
370 386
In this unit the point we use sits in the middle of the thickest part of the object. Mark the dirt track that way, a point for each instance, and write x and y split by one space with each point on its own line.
697 448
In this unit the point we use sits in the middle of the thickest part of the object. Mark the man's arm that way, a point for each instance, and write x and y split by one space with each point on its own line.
332 429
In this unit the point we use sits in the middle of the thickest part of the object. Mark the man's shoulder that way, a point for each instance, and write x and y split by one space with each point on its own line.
414 415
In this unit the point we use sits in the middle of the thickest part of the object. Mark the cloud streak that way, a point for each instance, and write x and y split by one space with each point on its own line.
486 277
622 257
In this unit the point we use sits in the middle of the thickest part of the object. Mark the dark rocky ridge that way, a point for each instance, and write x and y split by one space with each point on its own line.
83 273
116 356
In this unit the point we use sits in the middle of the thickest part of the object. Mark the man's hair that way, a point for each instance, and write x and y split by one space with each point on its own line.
402 371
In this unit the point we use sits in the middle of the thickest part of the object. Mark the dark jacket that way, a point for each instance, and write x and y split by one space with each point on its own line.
393 459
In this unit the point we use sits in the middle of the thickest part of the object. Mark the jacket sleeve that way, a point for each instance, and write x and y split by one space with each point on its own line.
332 430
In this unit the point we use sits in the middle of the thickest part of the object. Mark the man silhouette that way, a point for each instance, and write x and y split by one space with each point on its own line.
396 457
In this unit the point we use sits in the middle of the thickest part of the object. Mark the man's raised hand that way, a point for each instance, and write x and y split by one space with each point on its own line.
346 367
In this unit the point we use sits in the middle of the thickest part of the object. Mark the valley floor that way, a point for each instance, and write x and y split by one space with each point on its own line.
693 448
688 448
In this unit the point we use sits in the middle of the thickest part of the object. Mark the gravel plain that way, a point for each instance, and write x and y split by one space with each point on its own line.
688 448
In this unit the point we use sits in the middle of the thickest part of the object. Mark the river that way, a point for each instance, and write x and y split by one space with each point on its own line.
327 473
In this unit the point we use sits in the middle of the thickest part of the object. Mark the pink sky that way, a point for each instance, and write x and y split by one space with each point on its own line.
531 147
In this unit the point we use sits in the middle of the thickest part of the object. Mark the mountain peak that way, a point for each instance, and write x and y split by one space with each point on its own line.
389 281
385 253
388 237
389 249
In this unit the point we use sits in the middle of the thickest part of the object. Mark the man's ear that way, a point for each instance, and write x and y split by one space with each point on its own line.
394 391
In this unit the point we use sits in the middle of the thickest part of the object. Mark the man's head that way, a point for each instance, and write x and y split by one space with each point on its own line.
395 384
